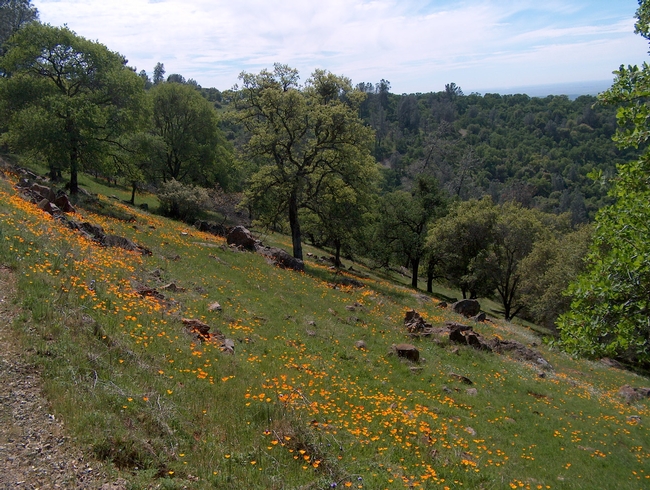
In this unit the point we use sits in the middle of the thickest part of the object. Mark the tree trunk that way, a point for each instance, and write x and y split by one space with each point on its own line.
74 168
430 283
416 266
295 225
74 156
134 186
337 254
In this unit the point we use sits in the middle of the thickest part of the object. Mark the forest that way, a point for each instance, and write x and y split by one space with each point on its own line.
511 197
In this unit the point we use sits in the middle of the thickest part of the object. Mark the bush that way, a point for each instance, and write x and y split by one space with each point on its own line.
183 202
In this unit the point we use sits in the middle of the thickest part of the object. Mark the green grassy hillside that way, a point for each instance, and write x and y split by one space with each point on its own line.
297 405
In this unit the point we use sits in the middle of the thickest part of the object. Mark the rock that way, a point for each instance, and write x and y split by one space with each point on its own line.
461 378
456 332
415 324
196 326
416 369
144 206
350 308
406 351
481 317
228 346
470 431
633 394
361 345
241 237
43 191
471 391
467 307
122 242
95 231
212 228
611 363
173 288
281 258
97 234
349 281
214 307
63 203
442 304
518 351
45 205
146 291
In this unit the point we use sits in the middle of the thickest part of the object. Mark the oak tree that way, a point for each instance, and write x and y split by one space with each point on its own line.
67 99
303 138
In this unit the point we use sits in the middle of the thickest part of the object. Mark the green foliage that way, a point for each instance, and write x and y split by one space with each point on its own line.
459 241
403 222
67 100
609 314
480 247
537 151
13 15
304 139
195 150
340 214
183 202
515 233
555 261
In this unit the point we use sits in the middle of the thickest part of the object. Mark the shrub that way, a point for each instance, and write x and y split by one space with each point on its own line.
183 202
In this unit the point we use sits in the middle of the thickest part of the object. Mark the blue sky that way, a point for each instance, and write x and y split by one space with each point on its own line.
418 46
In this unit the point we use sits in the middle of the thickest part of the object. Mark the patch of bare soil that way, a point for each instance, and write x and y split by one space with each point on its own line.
34 450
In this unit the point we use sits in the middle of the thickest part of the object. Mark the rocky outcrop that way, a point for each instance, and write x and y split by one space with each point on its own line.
415 324
280 258
465 335
467 307
633 394
46 198
241 237
96 233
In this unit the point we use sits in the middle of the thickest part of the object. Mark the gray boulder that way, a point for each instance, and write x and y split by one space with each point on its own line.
467 307
281 258
241 237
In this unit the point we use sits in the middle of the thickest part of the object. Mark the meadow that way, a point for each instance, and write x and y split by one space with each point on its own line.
297 406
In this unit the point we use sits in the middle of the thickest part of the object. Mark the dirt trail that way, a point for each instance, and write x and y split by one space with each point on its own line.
34 450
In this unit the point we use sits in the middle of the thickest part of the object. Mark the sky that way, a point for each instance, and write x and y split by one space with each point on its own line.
418 46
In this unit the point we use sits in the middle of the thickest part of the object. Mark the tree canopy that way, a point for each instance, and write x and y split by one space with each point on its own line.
14 14
195 149
303 138
67 99
609 313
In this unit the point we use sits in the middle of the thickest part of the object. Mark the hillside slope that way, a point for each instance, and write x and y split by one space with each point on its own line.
298 404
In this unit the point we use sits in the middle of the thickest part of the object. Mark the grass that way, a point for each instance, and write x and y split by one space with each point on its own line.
297 405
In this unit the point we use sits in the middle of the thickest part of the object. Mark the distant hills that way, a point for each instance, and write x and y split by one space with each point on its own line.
573 90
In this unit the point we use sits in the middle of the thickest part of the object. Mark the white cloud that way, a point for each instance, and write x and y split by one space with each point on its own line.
417 49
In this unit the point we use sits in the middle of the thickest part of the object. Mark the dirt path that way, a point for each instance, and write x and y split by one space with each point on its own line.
34 450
